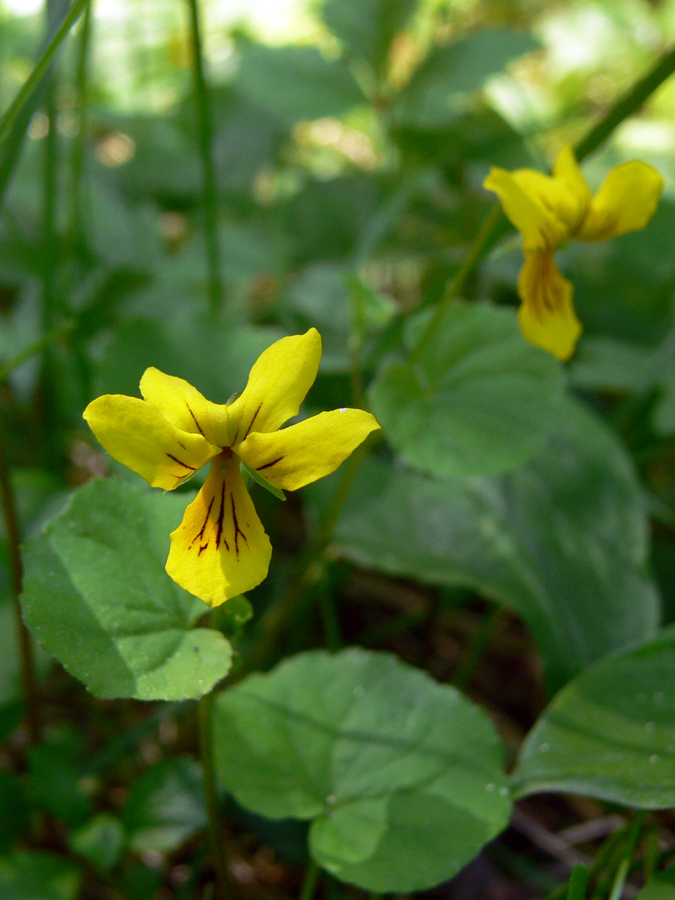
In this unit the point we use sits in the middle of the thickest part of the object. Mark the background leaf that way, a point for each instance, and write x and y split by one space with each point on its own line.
367 28
610 733
166 805
402 777
296 83
98 599
561 541
479 400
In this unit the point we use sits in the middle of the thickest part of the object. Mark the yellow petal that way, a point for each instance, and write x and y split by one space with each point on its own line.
276 386
302 453
625 201
546 316
527 201
574 196
220 549
183 406
135 434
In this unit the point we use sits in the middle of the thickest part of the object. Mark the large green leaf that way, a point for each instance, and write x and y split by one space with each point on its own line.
367 27
479 400
429 100
661 886
611 732
401 777
296 83
98 599
31 875
561 541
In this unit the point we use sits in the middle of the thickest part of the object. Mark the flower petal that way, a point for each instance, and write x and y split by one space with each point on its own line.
302 453
135 434
526 201
546 316
276 387
626 200
183 406
220 549
574 197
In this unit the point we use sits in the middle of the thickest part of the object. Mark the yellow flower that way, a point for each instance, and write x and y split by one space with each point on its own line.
220 549
548 211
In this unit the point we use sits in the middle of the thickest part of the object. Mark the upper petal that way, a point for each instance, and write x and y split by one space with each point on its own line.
528 201
181 404
135 434
546 317
626 200
277 385
574 195
220 549
302 453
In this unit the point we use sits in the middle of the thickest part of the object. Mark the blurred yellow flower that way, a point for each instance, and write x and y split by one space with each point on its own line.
220 549
548 211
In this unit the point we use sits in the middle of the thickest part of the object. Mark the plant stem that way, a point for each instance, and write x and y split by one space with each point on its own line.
205 125
40 67
576 887
16 571
471 658
79 144
624 865
204 715
631 101
311 880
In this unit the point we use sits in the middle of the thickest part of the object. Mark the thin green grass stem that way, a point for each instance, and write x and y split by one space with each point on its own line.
11 520
210 194
495 225
40 69
80 142
624 866
310 882
474 652
576 887
205 719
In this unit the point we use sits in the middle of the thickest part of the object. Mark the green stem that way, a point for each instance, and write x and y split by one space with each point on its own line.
204 715
205 125
474 652
495 225
311 881
79 144
40 68
576 887
16 571
624 865
475 254
631 101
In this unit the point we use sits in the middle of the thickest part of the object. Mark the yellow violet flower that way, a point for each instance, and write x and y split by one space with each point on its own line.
548 211
220 549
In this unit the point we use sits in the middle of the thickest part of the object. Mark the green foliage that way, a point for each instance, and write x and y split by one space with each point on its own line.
401 777
432 99
609 733
367 29
100 841
166 806
661 887
296 83
37 874
97 598
476 401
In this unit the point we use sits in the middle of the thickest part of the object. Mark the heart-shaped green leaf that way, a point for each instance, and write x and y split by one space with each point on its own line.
479 400
98 599
562 541
401 777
